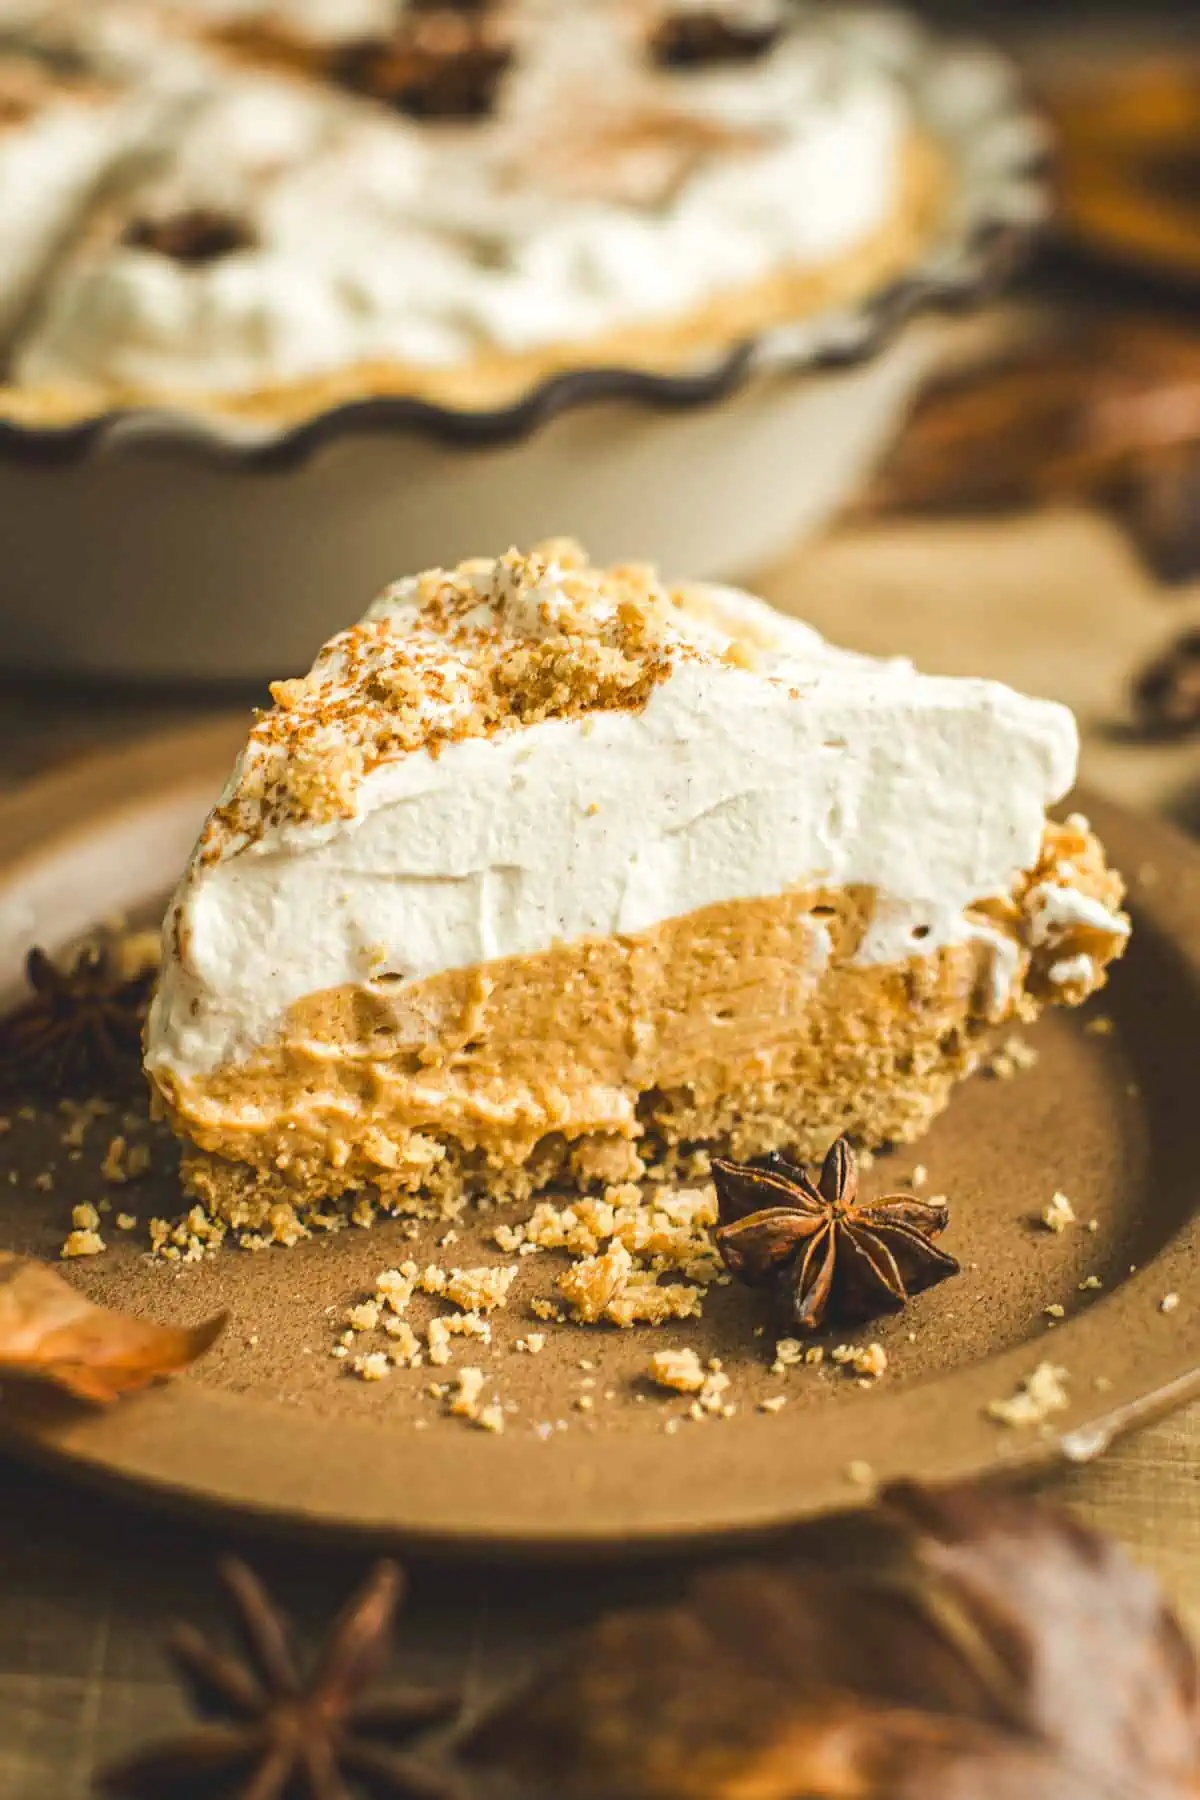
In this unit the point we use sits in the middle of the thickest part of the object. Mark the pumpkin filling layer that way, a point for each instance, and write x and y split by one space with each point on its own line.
745 1026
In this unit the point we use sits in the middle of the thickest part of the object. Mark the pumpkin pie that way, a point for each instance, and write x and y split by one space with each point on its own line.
457 202
548 873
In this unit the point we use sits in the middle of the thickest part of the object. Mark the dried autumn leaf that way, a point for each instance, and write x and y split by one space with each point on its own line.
952 1645
50 1332
1107 413
1127 140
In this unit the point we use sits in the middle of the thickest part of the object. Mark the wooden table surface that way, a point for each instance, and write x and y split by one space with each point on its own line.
1056 603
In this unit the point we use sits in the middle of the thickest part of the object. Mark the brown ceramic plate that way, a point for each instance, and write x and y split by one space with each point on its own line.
271 1425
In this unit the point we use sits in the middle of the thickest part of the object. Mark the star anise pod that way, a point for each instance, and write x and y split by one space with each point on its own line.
1166 693
80 1030
269 1733
444 62
717 34
198 235
813 1240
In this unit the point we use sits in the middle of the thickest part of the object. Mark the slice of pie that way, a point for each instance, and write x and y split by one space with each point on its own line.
550 873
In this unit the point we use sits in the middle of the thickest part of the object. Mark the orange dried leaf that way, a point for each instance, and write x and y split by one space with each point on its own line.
1106 411
1127 144
50 1332
959 1644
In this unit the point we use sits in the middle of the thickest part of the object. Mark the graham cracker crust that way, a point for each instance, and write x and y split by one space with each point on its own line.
745 1027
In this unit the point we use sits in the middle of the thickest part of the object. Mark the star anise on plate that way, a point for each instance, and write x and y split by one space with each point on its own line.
80 1030
812 1240
270 1733
696 37
1166 693
444 62
195 236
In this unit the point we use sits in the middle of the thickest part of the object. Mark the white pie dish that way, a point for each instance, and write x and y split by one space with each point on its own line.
158 542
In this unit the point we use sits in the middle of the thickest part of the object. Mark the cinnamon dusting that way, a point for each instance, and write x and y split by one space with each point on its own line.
483 647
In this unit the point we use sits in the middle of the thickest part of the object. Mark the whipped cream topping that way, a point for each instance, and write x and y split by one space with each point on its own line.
60 139
603 191
756 758
1058 915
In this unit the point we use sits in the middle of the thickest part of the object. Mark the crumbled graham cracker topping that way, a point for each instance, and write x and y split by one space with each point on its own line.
1040 1395
1058 1214
449 655
681 1370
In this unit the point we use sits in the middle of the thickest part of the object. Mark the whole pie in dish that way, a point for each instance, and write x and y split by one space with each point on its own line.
551 873
324 201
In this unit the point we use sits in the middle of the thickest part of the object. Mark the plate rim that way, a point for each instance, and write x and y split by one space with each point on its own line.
140 1446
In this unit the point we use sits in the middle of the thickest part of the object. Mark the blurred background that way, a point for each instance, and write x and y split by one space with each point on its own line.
1040 517
1106 316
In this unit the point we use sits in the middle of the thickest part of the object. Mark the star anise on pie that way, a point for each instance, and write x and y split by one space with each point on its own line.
270 1733
813 1241
197 235
695 36
80 1030
442 62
